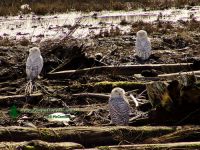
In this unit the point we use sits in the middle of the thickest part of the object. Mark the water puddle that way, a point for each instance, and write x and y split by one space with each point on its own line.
37 28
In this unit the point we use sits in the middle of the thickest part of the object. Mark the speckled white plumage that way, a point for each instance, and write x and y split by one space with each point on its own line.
143 45
119 107
34 63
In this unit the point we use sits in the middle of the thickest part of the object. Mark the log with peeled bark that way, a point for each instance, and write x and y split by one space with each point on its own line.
40 145
180 146
87 136
168 76
121 70
171 76
92 95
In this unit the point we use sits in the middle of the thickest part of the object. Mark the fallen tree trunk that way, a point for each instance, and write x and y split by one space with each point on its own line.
159 95
176 94
104 97
180 145
187 134
87 136
92 95
121 70
19 100
171 76
175 102
37 144
104 87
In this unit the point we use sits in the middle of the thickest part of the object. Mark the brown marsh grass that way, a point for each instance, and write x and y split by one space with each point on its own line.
41 7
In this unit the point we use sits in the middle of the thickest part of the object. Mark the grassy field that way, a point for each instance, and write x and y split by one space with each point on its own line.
41 7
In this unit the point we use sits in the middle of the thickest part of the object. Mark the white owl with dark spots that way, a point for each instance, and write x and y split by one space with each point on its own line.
34 63
119 107
143 45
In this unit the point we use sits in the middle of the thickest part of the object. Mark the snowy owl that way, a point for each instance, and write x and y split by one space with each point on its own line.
25 7
143 45
119 107
34 63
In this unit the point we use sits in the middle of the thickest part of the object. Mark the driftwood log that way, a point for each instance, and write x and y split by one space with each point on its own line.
158 94
105 97
185 134
19 100
184 92
176 102
168 76
121 70
92 95
104 87
39 145
172 146
87 136
175 75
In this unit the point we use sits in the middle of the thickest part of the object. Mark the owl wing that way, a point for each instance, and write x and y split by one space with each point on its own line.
28 67
119 110
39 64
148 45
34 67
138 45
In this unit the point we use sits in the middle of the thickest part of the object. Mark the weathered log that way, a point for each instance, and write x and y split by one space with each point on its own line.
185 134
180 145
121 70
87 136
19 100
171 76
178 93
7 89
78 62
105 86
159 95
92 95
168 76
104 97
175 102
37 144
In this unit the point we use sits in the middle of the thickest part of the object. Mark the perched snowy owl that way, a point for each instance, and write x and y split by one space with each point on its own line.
119 107
25 7
34 63
143 45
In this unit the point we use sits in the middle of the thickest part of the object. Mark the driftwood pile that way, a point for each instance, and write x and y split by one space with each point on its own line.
168 95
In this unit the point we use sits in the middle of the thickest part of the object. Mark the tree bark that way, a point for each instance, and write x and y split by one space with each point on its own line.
19 100
187 134
181 145
121 70
171 76
87 136
92 95
105 87
37 144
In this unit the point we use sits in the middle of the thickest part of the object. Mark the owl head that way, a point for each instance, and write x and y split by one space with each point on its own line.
34 50
117 92
141 34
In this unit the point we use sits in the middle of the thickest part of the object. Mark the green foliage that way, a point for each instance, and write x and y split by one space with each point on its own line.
13 112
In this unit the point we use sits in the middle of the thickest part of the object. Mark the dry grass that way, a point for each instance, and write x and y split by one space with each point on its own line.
166 27
41 7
